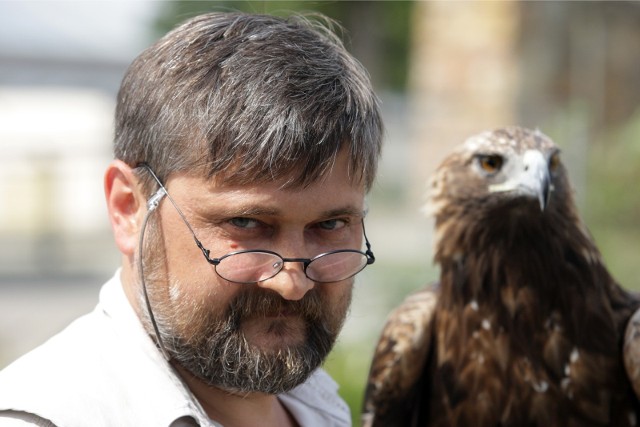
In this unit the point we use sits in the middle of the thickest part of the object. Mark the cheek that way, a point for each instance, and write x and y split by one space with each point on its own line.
337 297
204 289
196 299
342 289
184 260
197 304
186 263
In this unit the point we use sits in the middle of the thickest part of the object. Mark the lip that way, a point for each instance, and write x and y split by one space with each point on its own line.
282 313
274 331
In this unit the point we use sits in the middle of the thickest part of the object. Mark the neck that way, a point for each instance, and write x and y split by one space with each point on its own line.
532 277
238 410
544 253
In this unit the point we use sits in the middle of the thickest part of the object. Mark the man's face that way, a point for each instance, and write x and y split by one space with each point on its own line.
265 337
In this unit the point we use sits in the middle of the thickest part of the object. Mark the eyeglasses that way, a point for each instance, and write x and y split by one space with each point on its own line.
254 266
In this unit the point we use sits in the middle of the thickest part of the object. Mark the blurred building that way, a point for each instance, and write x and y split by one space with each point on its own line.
55 143
60 69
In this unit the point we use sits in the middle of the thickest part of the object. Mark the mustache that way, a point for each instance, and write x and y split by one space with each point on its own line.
254 301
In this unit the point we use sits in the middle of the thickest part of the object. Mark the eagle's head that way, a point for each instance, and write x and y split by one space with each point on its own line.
501 182
508 168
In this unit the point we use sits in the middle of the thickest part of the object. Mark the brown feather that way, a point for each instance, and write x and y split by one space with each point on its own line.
632 351
402 350
528 328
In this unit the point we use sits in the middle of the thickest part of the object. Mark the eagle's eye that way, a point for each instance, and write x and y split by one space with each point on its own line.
554 161
490 163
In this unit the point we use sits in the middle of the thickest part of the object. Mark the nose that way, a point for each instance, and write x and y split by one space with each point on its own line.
291 282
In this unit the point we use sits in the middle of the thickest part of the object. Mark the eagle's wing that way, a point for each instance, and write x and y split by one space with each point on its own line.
399 359
631 351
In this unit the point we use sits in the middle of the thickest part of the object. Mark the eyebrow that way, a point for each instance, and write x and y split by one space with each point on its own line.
251 210
348 211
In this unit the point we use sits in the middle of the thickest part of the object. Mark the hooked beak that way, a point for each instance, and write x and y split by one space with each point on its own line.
531 179
535 179
545 190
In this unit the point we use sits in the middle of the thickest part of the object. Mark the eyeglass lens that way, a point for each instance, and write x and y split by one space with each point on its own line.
252 267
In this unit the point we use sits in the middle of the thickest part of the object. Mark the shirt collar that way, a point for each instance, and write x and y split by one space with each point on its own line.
167 397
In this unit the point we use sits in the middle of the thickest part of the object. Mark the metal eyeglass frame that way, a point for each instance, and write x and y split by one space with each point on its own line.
155 200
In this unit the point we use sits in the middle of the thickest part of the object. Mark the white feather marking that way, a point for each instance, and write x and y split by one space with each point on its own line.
632 419
486 325
540 387
575 355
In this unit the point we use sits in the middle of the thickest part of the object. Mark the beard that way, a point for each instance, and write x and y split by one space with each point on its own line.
220 353
211 341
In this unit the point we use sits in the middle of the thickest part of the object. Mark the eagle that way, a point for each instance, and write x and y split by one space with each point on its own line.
525 326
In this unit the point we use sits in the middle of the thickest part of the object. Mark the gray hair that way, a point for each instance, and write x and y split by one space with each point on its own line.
249 98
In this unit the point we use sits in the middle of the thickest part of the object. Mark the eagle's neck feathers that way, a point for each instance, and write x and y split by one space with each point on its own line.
551 254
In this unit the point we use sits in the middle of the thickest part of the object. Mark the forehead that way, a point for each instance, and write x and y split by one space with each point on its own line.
334 190
294 171
510 140
338 170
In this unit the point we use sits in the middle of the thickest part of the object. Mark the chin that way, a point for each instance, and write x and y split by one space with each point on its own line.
275 333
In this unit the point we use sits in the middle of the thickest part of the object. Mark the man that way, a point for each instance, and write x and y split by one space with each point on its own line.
244 147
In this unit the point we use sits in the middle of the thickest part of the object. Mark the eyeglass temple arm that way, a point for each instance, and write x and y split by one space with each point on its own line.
370 257
154 200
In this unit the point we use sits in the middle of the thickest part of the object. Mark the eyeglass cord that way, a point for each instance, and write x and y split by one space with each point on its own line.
152 205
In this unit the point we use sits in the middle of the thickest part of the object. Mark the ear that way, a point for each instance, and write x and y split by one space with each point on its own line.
126 205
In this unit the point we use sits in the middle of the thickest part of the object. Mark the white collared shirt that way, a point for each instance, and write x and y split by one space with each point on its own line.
104 370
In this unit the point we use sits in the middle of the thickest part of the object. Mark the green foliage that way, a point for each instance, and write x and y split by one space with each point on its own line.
614 169
605 171
613 200
348 366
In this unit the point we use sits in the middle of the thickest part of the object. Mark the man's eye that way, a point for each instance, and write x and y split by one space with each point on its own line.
244 222
332 224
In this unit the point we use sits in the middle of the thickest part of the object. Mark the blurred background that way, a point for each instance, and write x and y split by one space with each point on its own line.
444 70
